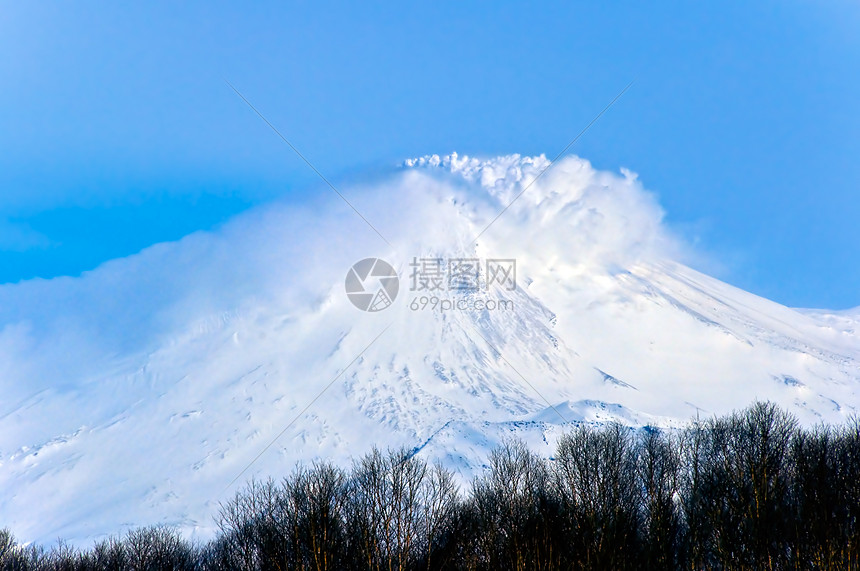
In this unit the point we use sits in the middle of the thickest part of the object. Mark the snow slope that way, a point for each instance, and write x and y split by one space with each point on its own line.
138 392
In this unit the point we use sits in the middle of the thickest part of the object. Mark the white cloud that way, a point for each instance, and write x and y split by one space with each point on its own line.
569 211
60 329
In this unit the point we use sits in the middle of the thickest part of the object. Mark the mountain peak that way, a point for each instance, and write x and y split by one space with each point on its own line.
239 352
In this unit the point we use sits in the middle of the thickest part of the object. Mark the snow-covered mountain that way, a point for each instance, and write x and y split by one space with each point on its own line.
138 392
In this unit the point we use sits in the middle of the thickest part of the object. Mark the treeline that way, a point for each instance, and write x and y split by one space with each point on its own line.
751 490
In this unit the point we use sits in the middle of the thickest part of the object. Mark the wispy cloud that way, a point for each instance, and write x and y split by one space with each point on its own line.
17 236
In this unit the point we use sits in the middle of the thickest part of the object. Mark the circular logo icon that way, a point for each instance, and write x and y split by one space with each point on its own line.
372 284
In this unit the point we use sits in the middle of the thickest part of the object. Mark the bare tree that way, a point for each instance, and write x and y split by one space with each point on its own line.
595 474
512 511
158 548
738 507
318 499
658 464
399 510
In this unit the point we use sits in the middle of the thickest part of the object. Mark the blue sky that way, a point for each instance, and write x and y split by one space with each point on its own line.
117 130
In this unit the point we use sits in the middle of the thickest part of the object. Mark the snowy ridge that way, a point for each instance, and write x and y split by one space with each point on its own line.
135 393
